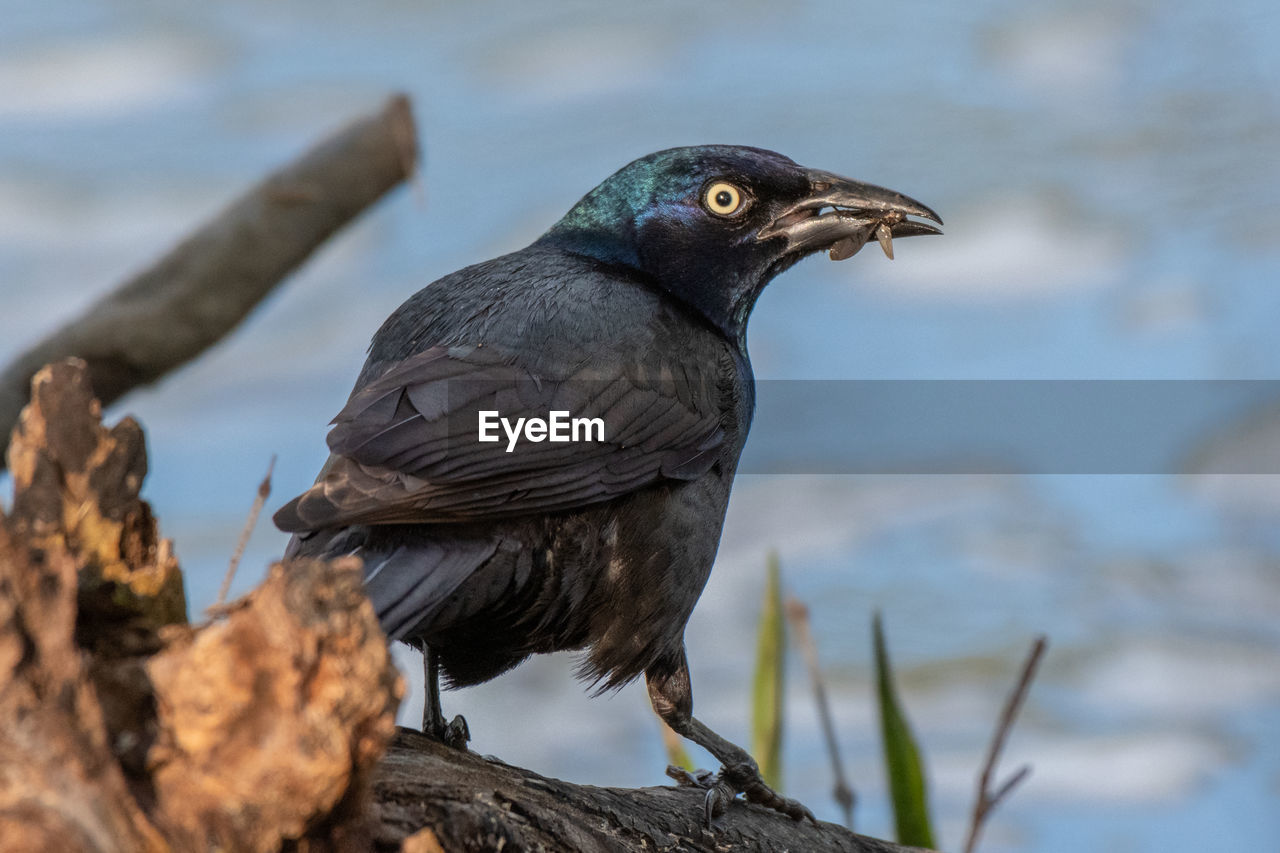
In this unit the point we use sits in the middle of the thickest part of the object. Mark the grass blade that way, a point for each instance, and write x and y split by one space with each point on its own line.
901 755
770 679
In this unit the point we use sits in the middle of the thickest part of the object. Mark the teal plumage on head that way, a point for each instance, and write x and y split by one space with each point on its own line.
654 216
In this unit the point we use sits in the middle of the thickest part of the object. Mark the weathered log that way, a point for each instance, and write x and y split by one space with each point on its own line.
76 492
121 727
61 788
470 803
197 293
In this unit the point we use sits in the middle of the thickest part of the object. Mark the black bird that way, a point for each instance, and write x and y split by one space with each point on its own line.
632 309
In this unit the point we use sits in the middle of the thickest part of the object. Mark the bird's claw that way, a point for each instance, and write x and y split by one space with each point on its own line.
690 779
719 795
453 734
723 787
456 734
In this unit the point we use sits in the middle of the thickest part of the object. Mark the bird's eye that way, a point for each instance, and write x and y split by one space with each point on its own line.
724 199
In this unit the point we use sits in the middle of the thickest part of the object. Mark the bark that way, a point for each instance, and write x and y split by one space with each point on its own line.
434 794
122 728
205 286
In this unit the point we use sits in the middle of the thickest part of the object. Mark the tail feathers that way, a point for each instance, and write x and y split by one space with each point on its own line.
412 582
410 577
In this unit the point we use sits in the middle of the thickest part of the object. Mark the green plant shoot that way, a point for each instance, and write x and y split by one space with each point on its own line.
901 755
770 679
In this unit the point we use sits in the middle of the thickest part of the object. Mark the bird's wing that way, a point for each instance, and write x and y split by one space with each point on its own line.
406 447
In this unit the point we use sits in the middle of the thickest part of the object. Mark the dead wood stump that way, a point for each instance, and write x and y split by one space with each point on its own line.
121 727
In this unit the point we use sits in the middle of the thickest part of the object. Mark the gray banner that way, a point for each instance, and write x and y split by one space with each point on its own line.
1029 426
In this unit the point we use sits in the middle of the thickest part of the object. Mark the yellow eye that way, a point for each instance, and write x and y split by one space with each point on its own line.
724 199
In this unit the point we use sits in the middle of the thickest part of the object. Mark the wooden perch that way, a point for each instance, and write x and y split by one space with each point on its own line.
466 802
122 728
205 286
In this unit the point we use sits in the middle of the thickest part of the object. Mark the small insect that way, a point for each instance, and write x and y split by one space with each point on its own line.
846 248
885 235
849 246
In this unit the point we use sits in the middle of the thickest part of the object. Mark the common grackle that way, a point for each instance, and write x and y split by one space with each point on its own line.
632 309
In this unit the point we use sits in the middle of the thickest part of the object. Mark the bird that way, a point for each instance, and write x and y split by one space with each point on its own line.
630 315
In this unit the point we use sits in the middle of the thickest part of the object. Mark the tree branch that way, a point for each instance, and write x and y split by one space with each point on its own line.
205 286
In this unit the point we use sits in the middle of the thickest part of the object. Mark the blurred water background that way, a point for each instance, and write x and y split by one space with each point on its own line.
1109 177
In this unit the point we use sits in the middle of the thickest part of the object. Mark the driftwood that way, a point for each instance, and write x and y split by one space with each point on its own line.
197 293
122 728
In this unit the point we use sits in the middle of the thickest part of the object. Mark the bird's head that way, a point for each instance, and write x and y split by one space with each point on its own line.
712 224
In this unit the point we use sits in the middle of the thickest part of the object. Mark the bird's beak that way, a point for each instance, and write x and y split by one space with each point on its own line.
841 215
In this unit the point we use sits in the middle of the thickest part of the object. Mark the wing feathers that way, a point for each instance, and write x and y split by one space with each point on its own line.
406 446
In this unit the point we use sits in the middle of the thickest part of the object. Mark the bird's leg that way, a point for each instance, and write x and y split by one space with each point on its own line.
672 697
454 733
432 713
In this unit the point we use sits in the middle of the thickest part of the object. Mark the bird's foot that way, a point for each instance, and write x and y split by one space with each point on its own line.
744 778
453 734
703 779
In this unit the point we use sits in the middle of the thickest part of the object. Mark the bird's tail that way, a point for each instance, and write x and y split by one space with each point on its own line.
411 577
